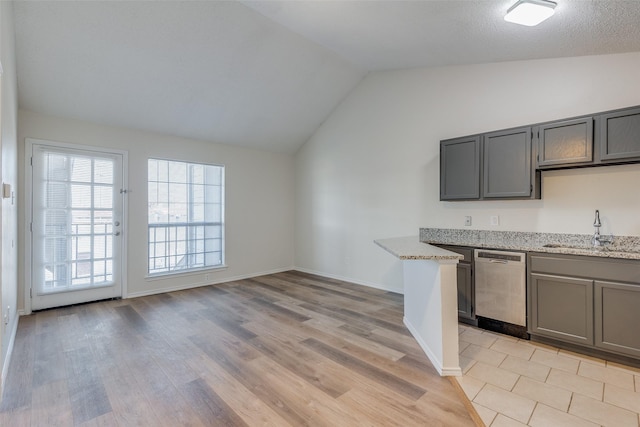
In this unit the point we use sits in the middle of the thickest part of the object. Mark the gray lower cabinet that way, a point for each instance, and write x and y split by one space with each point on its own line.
565 143
460 168
562 307
620 136
465 291
590 301
617 317
507 164
466 288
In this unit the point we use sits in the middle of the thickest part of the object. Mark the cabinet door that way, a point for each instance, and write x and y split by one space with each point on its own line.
465 291
460 168
507 164
620 135
565 143
617 316
562 308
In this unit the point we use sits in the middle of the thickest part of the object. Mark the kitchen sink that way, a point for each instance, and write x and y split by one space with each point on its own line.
561 246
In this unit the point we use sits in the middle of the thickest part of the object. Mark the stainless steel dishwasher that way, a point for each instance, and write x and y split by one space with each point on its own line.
501 286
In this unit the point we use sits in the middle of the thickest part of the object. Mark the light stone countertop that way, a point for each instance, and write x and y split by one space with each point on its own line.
406 248
623 247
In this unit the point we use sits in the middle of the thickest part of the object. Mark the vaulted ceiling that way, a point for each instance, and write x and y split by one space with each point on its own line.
266 74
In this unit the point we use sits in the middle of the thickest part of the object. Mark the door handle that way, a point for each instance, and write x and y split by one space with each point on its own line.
117 223
117 233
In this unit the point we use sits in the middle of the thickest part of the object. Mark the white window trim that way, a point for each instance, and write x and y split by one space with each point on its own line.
195 271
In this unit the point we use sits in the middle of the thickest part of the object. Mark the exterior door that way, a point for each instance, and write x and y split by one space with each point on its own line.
76 225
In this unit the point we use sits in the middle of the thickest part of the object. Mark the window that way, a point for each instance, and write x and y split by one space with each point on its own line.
186 216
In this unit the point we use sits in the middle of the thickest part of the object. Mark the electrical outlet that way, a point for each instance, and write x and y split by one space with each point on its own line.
207 277
467 221
495 220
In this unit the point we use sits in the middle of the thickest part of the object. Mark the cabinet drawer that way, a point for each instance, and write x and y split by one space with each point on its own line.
466 252
584 266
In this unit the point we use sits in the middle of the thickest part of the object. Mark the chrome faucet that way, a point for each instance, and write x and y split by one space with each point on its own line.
599 241
596 241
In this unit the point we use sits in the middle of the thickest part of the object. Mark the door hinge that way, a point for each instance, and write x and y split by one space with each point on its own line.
31 227
30 292
31 161
530 189
123 191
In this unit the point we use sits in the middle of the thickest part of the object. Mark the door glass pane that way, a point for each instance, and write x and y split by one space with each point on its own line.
73 221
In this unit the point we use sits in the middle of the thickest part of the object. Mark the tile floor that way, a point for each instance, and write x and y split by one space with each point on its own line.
513 382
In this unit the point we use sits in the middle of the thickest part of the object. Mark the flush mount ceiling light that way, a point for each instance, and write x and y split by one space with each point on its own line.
530 12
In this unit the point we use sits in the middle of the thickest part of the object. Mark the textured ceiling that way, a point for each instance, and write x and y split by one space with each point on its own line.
266 74
390 34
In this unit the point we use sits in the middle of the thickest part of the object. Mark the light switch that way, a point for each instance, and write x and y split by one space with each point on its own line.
495 220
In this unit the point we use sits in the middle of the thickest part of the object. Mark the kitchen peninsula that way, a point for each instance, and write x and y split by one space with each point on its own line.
597 290
430 299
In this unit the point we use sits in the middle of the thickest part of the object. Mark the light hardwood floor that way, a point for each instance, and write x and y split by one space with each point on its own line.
284 349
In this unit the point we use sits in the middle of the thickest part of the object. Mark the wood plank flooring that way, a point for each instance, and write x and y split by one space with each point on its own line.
283 349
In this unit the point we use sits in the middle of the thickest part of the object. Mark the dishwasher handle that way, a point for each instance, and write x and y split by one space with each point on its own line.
499 257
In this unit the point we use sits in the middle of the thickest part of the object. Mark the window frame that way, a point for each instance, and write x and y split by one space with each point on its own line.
222 223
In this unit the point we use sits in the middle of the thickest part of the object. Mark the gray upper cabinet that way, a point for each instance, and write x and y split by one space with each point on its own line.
507 164
620 136
460 168
565 143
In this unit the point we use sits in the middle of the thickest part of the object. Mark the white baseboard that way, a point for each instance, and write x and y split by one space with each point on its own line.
347 279
7 359
442 370
199 285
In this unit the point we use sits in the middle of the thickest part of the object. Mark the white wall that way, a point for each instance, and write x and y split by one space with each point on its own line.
259 197
9 250
372 170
